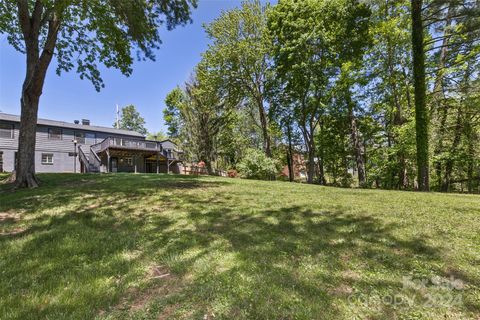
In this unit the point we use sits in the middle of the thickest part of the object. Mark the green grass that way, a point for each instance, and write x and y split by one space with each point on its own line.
160 247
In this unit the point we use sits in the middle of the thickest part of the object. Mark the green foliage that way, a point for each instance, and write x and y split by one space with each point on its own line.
312 44
222 110
197 114
79 34
97 31
171 114
157 136
256 165
131 120
242 78
335 79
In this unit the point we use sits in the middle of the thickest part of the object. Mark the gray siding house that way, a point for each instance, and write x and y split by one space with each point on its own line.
81 147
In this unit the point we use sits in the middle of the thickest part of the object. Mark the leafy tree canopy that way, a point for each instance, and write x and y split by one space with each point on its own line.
131 120
85 33
157 136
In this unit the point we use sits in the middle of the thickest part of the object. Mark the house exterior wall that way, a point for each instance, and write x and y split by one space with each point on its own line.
299 167
62 149
122 165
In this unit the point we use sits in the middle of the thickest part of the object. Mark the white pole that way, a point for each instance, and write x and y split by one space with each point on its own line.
117 115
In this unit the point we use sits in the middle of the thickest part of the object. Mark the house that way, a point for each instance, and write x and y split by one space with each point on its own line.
82 147
299 167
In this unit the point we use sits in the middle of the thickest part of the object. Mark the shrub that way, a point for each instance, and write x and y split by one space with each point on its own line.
232 173
256 165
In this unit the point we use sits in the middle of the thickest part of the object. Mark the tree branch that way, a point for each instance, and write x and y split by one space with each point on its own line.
49 47
36 18
24 18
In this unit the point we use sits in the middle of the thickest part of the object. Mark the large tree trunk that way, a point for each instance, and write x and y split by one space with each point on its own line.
291 172
470 138
421 115
439 98
37 66
321 172
357 149
310 144
206 144
264 125
471 157
453 150
396 117
311 165
399 121
403 178
25 169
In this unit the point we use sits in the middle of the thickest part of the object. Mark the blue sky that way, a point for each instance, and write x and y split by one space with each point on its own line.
68 98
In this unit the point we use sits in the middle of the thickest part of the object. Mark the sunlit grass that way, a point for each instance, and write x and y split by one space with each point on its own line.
159 246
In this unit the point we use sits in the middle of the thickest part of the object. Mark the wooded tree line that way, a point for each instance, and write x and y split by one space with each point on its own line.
380 93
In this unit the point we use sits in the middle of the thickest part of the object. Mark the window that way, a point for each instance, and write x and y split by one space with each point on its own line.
80 137
90 138
6 130
151 145
1 161
47 158
85 137
129 161
54 133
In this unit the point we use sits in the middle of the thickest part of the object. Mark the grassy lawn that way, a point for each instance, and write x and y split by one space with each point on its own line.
160 247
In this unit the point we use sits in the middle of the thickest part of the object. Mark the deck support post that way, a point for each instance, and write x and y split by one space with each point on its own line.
135 162
108 160
158 171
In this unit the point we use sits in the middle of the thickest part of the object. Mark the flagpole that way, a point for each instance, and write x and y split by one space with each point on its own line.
118 124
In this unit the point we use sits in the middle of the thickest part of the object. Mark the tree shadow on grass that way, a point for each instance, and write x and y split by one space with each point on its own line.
288 263
299 264
80 244
88 242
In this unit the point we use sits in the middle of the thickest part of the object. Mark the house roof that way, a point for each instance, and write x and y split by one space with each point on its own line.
63 124
168 140
173 142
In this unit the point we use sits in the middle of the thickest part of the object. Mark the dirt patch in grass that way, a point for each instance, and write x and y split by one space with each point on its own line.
7 220
142 299
351 275
341 290
167 312
157 272
7 217
14 232
163 284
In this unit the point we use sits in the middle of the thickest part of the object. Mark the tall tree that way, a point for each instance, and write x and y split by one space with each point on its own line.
81 33
421 113
311 42
282 112
171 112
240 55
201 113
452 55
132 120
387 97
157 136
